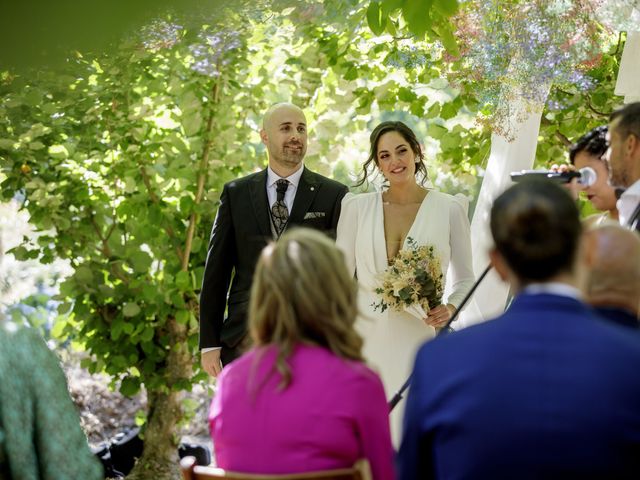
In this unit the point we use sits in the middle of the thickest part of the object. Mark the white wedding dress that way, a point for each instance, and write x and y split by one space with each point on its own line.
391 339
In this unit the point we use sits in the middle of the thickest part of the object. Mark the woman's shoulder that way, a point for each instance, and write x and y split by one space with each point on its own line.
359 199
442 196
458 201
359 202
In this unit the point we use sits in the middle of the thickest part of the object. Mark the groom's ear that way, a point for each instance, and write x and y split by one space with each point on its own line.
499 264
263 136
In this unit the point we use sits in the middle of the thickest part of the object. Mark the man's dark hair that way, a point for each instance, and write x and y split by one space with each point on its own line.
536 228
628 120
594 143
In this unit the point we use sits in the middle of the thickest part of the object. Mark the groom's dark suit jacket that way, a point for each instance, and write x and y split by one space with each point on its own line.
241 230
546 391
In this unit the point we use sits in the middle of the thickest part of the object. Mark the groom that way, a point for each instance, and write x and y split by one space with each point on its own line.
254 210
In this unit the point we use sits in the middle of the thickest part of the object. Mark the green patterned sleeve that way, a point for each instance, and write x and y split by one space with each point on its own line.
44 438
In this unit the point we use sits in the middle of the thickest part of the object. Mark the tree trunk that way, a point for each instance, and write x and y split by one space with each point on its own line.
159 458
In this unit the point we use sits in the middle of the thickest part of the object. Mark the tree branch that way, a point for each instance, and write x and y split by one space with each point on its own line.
154 199
589 104
106 251
619 44
561 136
202 177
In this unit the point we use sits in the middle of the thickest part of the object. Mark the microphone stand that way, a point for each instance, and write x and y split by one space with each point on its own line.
400 393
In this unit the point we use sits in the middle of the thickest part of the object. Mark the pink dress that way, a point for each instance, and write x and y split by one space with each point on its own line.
333 413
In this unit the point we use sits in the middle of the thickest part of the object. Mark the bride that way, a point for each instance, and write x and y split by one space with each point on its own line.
373 227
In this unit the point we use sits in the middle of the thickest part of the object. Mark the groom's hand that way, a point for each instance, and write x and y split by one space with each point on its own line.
211 362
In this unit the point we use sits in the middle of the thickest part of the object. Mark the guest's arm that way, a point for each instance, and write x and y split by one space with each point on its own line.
58 441
373 426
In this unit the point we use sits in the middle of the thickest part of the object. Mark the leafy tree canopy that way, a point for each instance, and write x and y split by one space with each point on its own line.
119 155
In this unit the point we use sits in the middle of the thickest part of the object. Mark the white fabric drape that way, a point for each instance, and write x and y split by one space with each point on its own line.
628 82
506 156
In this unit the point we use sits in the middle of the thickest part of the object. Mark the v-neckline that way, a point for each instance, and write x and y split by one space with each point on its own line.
413 224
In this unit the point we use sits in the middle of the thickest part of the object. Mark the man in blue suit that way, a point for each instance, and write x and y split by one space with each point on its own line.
547 390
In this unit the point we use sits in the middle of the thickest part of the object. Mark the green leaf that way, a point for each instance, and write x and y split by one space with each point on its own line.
446 7
450 142
147 335
417 15
448 111
392 29
198 273
183 281
7 143
375 18
116 328
436 131
84 275
64 308
433 111
33 97
406 94
58 329
192 123
130 309
351 74
389 6
186 204
130 386
141 261
182 316
448 39
196 246
140 418
59 152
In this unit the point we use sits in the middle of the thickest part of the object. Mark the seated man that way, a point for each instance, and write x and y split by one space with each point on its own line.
612 261
546 390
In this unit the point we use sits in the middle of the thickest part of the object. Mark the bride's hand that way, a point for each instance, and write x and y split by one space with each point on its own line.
440 315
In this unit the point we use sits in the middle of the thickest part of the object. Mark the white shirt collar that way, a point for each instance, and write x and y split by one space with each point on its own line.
628 203
553 288
294 178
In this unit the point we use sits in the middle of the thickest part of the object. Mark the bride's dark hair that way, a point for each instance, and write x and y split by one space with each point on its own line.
406 133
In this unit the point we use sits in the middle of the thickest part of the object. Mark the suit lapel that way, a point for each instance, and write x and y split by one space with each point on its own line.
258 193
307 190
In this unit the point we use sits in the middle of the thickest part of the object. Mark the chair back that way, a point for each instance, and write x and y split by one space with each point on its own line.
191 471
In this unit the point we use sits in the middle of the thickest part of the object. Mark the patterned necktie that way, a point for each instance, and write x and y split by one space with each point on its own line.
279 212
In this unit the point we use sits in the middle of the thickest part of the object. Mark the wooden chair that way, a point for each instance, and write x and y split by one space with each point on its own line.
191 471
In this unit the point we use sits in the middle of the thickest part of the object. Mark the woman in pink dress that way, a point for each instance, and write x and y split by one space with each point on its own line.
302 399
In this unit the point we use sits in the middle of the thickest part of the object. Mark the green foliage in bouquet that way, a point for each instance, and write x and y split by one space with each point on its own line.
413 278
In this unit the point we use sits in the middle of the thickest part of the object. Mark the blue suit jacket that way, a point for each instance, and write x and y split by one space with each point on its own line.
547 390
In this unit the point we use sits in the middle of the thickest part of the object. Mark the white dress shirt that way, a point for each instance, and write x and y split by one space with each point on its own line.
290 195
628 202
553 288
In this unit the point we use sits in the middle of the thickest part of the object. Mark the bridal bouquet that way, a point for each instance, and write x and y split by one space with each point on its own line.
413 282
